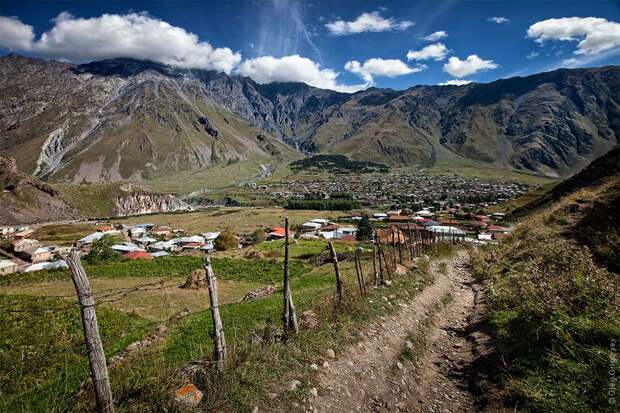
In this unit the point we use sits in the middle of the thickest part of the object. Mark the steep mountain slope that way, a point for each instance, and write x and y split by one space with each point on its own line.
126 119
118 120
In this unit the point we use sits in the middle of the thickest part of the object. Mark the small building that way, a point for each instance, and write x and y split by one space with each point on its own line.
380 216
277 233
160 254
89 239
5 231
53 265
125 247
105 228
138 255
21 245
321 221
162 231
8 267
310 226
23 233
495 229
211 236
38 254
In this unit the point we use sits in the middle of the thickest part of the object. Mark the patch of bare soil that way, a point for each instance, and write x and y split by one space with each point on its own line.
443 367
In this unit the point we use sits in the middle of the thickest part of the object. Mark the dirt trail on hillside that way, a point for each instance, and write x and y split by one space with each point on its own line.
446 374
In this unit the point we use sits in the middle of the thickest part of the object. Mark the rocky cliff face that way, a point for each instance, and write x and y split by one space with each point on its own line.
138 203
125 119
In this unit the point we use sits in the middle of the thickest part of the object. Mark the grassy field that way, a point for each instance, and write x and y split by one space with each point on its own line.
43 359
239 219
154 299
63 234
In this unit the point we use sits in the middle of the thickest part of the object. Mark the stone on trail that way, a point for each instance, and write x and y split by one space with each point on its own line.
294 385
400 270
330 353
189 395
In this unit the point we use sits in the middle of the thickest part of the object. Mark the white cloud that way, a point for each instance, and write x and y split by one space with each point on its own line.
436 51
14 35
433 37
532 55
294 68
381 67
473 64
596 34
498 20
135 35
455 82
367 22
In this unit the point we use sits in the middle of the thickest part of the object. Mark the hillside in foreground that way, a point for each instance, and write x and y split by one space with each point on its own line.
552 295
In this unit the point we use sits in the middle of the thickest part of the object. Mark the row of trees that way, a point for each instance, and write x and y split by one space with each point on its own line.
332 204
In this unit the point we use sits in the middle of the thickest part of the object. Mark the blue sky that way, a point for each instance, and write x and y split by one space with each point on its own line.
343 45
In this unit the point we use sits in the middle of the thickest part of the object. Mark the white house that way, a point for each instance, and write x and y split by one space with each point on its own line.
380 216
321 221
7 267
89 239
125 247
210 236
47 266
310 226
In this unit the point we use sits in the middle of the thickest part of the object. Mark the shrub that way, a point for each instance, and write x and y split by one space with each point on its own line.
227 240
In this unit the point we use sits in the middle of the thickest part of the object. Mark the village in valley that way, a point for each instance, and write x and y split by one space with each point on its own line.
147 241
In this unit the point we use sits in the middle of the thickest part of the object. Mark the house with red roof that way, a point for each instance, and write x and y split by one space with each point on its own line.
138 255
279 233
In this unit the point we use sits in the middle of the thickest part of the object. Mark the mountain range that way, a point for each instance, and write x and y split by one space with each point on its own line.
125 119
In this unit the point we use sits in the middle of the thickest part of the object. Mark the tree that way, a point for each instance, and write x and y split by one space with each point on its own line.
226 240
364 229
101 250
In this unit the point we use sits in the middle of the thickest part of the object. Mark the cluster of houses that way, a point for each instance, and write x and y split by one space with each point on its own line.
317 228
28 254
147 241
474 228
398 188
134 242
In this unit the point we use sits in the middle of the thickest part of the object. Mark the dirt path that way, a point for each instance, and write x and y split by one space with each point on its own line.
447 350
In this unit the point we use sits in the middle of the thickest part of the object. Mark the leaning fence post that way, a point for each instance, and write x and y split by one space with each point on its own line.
359 263
336 270
374 262
219 341
289 317
94 348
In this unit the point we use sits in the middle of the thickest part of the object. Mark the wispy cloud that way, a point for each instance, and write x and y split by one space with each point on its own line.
498 20
433 37
367 22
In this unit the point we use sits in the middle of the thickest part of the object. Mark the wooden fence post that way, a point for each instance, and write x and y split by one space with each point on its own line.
219 341
360 282
289 317
94 348
374 261
393 248
411 242
359 263
387 266
336 270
